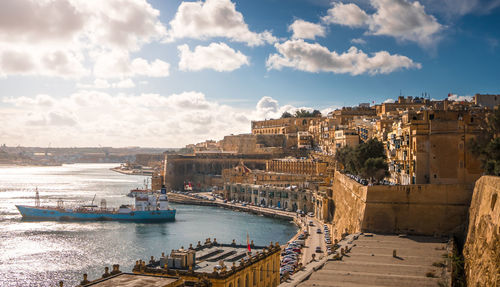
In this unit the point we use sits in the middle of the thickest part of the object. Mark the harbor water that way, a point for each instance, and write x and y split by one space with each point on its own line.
41 253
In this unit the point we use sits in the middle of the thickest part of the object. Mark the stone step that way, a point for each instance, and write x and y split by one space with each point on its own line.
396 268
339 278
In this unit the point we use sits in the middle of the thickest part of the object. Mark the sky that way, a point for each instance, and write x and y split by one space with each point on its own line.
166 73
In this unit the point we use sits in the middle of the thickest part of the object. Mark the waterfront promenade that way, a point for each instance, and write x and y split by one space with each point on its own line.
309 259
190 199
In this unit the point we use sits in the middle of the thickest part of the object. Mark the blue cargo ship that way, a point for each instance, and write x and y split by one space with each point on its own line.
148 208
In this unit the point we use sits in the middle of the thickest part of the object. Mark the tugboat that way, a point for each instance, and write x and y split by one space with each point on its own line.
148 208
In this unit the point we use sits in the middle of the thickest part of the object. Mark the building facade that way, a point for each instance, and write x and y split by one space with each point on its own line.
289 198
219 265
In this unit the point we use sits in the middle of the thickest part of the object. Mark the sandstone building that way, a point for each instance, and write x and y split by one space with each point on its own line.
290 198
218 265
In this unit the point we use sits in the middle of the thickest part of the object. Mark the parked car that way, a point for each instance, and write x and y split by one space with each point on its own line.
318 249
318 231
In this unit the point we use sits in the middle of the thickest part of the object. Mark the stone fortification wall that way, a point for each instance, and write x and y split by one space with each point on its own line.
482 247
349 201
429 209
424 209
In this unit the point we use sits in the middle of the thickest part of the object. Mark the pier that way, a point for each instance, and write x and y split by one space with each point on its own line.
187 199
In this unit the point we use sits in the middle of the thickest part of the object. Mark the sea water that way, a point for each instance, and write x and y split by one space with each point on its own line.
41 253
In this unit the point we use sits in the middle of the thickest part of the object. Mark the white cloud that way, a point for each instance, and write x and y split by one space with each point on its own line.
400 19
52 38
214 18
306 30
457 98
389 101
124 84
358 41
346 14
104 84
90 118
315 58
118 64
28 61
216 56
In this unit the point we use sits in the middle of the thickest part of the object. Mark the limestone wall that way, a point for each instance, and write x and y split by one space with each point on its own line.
482 247
427 209
349 199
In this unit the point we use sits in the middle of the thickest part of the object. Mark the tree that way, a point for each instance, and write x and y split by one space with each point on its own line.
316 113
344 156
286 115
486 145
375 169
370 149
367 160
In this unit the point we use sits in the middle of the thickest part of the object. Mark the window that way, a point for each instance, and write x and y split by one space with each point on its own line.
267 269
261 274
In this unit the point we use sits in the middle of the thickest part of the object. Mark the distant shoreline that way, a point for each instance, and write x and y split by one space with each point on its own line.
129 172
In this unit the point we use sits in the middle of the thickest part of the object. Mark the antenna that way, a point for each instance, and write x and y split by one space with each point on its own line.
37 198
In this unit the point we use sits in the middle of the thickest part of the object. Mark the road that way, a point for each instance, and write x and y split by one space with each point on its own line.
250 207
313 240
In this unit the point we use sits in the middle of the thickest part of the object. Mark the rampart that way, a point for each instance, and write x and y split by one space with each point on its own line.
482 248
422 209
204 170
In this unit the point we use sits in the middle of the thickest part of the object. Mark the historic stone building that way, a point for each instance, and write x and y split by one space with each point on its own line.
284 125
258 143
219 265
345 115
204 170
402 104
291 198
305 166
433 146
489 101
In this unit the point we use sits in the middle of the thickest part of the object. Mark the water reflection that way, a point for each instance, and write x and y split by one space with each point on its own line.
46 251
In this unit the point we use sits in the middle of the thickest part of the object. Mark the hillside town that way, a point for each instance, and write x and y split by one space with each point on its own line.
409 178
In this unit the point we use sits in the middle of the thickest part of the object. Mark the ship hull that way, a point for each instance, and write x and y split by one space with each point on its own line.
29 212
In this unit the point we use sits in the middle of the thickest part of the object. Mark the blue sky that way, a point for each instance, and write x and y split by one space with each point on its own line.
128 72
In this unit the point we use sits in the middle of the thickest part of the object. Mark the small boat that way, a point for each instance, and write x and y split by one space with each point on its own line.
148 208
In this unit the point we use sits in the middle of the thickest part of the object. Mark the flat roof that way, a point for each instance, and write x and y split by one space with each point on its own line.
134 280
208 258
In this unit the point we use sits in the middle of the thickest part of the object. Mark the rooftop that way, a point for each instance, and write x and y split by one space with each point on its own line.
132 280
213 256
208 257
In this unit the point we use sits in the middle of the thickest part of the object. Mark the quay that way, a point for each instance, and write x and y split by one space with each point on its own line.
132 171
187 199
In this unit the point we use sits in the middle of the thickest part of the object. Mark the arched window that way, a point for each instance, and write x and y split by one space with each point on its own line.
267 270
230 284
246 281
261 274
239 282
255 278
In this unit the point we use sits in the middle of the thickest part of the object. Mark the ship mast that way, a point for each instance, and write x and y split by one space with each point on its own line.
37 198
